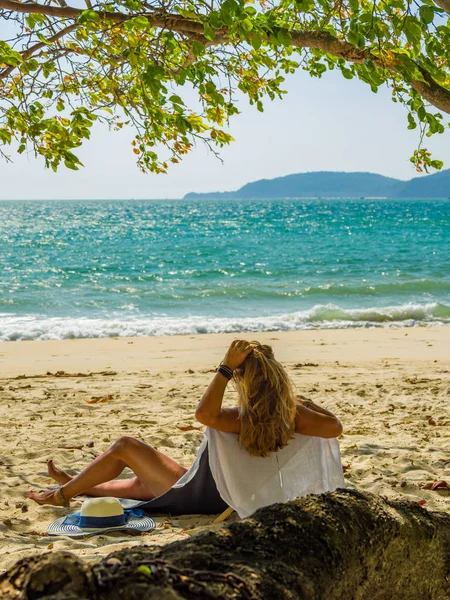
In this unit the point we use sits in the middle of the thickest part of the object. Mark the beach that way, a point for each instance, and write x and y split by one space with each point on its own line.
71 399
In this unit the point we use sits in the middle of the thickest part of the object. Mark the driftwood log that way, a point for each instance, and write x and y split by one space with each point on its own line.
345 545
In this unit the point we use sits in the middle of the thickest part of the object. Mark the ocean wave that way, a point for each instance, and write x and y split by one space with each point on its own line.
385 289
15 328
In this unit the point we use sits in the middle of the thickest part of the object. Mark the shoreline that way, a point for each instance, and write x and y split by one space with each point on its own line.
72 399
317 318
32 357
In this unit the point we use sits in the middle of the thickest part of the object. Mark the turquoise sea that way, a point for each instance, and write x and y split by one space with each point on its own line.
125 268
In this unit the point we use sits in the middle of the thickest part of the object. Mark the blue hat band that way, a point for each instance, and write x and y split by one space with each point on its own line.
102 521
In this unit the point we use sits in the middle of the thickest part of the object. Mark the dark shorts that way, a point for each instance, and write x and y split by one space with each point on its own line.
197 496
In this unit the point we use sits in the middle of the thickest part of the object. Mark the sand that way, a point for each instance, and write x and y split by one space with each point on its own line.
389 387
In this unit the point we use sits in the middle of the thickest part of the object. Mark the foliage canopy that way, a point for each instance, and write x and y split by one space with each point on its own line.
129 62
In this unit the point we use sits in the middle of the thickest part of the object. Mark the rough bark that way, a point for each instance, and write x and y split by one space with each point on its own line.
341 545
445 4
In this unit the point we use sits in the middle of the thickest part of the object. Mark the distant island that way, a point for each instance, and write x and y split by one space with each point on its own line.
329 184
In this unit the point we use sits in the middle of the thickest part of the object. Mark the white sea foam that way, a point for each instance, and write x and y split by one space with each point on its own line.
13 328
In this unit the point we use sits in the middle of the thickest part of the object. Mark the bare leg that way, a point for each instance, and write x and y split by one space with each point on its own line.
57 474
155 471
119 488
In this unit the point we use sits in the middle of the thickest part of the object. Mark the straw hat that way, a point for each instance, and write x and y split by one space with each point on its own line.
98 515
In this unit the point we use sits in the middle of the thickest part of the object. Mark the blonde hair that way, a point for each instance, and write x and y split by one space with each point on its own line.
266 402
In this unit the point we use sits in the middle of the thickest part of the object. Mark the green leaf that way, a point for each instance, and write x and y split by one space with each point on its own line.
411 122
247 25
154 72
256 40
176 100
33 20
320 68
137 24
134 41
29 66
198 48
183 124
71 165
305 5
133 5
43 39
9 56
436 164
426 14
208 32
32 64
5 136
215 19
412 30
48 68
284 37
88 16
347 73
229 6
227 18
356 38
228 11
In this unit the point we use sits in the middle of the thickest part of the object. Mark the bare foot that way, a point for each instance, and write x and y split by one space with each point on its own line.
51 497
60 476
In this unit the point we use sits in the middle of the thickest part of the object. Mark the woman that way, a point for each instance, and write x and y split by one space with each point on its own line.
266 418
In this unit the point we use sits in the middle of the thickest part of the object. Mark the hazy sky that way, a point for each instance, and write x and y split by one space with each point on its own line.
322 124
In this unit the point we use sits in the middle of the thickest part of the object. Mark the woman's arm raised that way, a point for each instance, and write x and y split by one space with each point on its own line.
209 410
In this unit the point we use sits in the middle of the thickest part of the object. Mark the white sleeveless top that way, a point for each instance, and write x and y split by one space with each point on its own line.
307 465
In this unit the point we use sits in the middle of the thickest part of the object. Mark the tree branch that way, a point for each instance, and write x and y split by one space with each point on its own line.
344 544
445 4
169 21
30 51
431 91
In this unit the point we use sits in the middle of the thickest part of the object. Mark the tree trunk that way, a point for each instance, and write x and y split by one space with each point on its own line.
342 545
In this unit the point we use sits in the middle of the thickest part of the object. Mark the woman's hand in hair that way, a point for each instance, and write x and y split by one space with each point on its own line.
237 353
